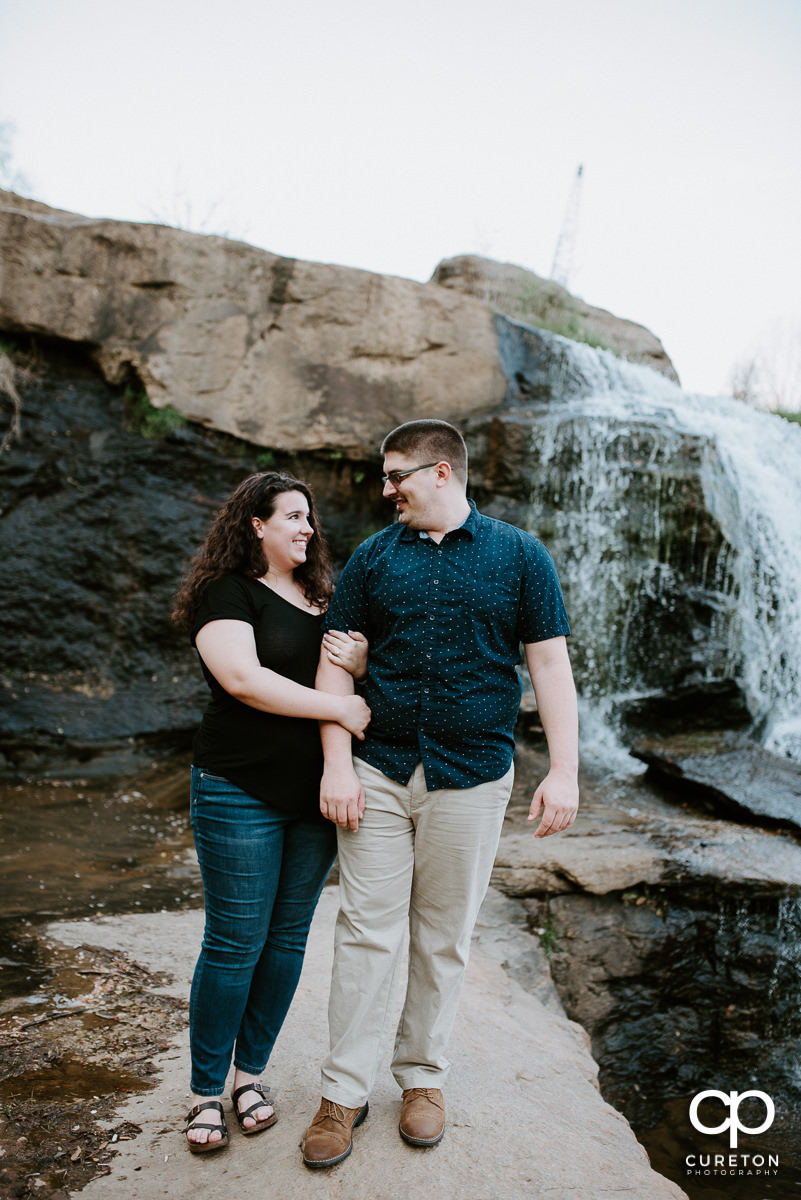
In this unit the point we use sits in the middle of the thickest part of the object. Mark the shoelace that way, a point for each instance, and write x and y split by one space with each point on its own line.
427 1092
334 1110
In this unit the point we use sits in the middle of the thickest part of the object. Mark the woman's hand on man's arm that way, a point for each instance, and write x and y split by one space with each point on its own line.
347 650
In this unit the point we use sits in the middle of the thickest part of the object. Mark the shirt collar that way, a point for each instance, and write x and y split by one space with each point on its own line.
469 526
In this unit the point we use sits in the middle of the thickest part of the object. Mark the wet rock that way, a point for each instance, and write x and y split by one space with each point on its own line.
621 505
705 706
683 989
673 938
729 774
672 518
98 522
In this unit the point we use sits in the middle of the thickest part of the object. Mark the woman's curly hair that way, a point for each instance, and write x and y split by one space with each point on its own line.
232 547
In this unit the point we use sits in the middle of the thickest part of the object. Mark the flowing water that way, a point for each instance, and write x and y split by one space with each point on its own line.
675 521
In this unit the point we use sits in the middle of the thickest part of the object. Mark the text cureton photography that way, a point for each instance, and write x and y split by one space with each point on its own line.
740 1163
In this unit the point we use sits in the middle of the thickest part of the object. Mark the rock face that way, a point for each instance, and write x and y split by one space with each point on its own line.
527 297
99 519
287 354
636 835
680 992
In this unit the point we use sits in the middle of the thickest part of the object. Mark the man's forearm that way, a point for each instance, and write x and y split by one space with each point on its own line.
552 679
558 710
335 739
557 796
341 794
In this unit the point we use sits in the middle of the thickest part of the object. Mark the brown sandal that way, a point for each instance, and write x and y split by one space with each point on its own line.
203 1147
263 1103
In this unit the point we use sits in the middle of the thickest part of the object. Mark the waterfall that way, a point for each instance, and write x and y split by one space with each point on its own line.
786 976
675 520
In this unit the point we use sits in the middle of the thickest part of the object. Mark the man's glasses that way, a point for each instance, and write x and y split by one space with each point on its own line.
396 477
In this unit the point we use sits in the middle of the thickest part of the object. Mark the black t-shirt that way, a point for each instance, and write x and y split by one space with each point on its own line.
276 759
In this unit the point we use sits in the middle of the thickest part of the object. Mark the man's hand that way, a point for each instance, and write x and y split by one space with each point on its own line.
342 797
557 797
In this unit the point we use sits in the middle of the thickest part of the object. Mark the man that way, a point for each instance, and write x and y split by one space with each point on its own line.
445 597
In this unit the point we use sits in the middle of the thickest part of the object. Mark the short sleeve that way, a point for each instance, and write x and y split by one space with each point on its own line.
349 609
542 612
226 599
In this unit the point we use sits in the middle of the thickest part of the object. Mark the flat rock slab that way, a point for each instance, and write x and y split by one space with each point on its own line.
525 1117
629 834
735 776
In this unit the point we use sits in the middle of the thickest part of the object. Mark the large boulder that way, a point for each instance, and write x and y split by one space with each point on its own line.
527 297
288 354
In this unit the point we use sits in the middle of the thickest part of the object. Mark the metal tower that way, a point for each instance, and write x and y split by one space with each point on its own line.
566 244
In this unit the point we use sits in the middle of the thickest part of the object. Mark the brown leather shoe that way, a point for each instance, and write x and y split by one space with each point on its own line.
422 1120
329 1137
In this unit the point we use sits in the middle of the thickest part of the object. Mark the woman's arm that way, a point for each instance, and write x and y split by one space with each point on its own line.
228 648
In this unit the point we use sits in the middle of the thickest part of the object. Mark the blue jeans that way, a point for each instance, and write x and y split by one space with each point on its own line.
263 872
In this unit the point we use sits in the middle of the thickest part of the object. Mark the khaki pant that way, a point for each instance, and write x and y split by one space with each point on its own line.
422 857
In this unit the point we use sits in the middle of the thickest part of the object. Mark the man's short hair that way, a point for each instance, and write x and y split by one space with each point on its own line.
430 441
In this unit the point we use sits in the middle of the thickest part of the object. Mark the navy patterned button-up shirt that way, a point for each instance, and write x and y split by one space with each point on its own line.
445 622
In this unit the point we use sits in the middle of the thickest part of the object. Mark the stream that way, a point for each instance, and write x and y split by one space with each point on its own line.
75 848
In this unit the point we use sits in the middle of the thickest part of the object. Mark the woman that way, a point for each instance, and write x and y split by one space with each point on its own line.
253 604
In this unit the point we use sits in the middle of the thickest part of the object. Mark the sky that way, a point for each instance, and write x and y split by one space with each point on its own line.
389 136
